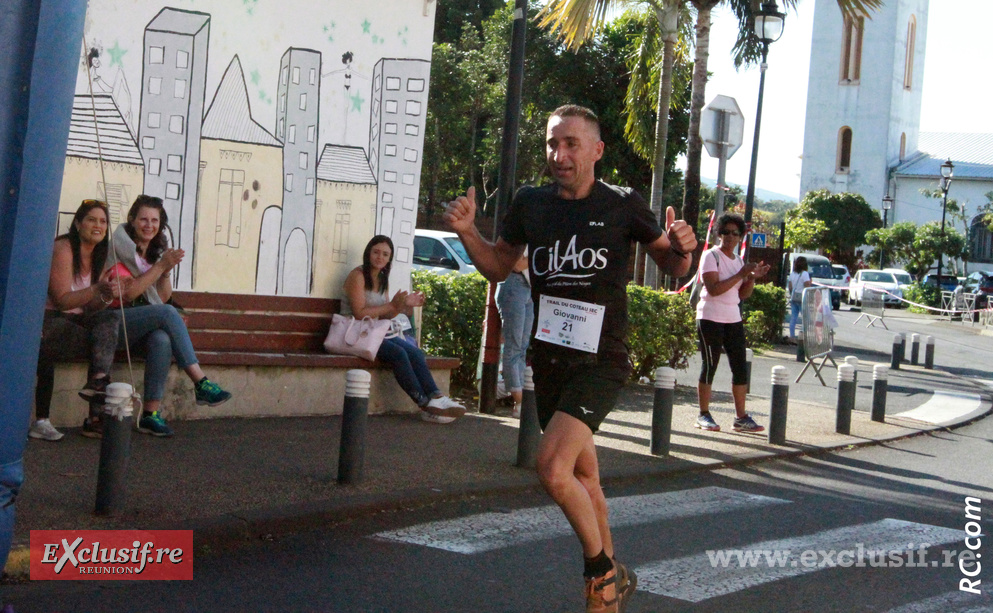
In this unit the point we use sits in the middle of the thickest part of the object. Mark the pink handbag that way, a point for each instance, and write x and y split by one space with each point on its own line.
358 337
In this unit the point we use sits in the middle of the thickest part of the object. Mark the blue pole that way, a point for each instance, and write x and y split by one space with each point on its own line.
40 47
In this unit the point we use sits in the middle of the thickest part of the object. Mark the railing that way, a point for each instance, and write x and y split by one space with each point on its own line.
957 304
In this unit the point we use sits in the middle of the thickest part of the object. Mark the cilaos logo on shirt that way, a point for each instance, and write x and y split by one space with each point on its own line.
554 262
103 555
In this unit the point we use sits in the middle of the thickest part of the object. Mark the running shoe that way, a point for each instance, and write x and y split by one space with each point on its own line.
153 424
627 583
746 424
44 430
210 393
92 427
445 407
601 593
95 389
706 422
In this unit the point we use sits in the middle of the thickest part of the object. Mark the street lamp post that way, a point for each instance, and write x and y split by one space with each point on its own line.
947 170
887 205
768 28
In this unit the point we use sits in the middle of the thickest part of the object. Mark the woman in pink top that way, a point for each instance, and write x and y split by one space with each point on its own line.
727 280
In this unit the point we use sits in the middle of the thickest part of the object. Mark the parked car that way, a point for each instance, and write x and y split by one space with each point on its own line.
440 252
981 284
903 278
875 279
948 282
820 271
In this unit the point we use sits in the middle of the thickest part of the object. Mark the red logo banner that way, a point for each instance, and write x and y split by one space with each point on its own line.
107 555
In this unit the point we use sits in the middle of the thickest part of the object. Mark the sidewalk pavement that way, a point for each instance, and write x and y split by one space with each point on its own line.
237 480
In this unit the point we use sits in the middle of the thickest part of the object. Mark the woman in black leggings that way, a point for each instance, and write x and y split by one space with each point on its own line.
727 281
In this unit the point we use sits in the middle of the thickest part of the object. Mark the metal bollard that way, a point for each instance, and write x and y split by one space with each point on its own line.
800 355
915 348
846 399
354 417
929 353
854 362
665 384
779 404
529 434
879 387
748 370
895 358
115 449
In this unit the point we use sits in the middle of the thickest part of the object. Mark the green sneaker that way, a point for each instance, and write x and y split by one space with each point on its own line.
210 393
153 424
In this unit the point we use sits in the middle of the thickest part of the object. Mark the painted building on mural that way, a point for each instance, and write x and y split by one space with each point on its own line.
283 209
862 131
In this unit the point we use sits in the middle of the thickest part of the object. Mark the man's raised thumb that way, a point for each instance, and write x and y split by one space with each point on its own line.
670 216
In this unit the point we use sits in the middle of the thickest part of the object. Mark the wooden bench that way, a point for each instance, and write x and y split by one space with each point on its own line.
268 351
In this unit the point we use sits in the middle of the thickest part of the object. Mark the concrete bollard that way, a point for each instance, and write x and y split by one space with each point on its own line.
529 434
778 405
915 348
801 356
665 384
880 372
929 353
895 358
749 354
115 449
846 399
354 417
854 362
903 347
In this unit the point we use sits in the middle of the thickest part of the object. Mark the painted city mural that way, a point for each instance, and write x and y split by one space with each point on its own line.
281 134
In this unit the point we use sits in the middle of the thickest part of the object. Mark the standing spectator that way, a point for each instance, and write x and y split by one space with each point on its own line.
77 317
153 327
513 298
579 234
798 281
367 295
727 280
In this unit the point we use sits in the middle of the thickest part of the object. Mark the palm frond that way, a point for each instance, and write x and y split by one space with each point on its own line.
576 21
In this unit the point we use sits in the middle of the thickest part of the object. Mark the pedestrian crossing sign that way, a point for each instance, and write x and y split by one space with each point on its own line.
758 240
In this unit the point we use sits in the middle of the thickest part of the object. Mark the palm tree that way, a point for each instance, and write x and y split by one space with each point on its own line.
576 21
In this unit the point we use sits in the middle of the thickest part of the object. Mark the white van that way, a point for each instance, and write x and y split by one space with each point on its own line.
820 271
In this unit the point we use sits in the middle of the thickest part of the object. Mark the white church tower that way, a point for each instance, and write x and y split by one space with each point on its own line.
863 97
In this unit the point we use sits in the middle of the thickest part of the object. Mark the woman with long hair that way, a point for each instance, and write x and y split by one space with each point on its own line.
76 317
154 327
367 295
727 280
798 281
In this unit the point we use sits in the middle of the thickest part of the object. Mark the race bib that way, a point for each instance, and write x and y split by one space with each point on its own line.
570 323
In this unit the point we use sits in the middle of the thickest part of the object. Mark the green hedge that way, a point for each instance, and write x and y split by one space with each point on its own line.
452 320
764 313
661 332
922 294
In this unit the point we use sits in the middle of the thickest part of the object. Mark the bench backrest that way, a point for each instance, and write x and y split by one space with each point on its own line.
252 323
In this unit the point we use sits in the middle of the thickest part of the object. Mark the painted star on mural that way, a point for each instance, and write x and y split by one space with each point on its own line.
357 102
256 77
365 26
116 54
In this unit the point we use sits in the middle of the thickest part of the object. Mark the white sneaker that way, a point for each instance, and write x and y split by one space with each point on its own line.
436 419
445 407
44 430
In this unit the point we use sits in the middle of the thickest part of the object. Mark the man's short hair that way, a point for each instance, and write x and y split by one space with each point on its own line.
575 110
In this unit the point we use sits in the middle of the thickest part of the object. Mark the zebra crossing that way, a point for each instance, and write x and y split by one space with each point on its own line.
713 573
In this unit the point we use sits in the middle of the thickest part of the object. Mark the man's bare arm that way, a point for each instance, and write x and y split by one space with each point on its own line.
494 261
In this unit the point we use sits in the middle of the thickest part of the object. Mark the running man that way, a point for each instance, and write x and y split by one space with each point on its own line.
579 233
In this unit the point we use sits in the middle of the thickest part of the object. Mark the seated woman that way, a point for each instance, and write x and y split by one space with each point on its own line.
366 291
76 317
152 326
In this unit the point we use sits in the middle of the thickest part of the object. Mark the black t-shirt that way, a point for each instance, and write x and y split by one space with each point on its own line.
580 249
